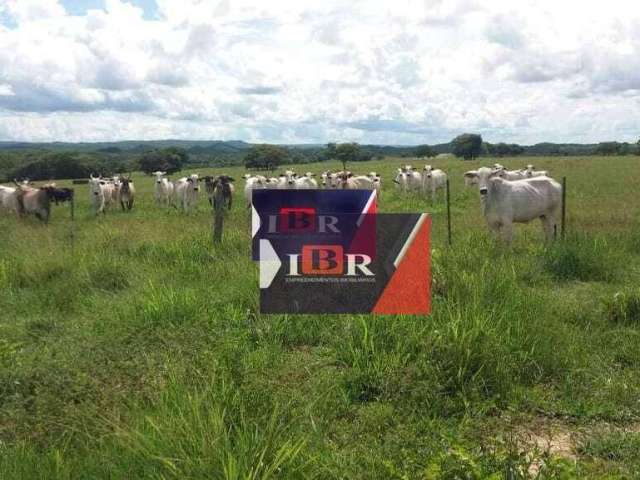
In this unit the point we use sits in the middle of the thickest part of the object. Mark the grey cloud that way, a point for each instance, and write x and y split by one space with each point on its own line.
388 125
33 98
171 75
259 90
506 31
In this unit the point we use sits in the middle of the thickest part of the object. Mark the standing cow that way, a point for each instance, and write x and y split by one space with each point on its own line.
187 192
433 179
520 201
223 192
126 193
101 194
35 201
163 189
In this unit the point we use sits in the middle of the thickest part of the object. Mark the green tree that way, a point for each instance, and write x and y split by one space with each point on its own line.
168 160
424 151
467 146
347 152
266 157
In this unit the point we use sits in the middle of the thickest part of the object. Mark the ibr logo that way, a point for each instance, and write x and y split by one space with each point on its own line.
329 260
302 220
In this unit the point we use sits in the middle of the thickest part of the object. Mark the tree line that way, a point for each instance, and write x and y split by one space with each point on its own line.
51 165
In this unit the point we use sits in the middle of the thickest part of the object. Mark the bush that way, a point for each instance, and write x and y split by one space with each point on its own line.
624 307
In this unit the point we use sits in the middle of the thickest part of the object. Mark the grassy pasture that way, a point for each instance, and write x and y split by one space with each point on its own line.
138 351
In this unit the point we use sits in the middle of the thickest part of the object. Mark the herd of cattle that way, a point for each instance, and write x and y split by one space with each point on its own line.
506 196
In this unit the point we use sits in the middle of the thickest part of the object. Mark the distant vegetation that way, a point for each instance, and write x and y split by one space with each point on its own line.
44 161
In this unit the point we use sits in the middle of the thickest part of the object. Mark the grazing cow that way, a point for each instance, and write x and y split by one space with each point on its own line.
35 201
520 201
126 193
433 180
223 191
187 191
101 194
254 182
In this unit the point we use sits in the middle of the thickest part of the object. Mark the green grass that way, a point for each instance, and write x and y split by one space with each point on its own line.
132 347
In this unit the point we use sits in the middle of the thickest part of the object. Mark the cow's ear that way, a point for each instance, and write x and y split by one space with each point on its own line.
231 179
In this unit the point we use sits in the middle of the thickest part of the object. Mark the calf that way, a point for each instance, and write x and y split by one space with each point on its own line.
520 201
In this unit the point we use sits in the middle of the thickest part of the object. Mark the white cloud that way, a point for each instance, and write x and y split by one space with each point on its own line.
408 71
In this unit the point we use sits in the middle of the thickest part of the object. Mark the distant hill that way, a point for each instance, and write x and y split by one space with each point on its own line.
132 146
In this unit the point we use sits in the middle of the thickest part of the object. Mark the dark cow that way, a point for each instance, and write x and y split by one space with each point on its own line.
223 191
127 193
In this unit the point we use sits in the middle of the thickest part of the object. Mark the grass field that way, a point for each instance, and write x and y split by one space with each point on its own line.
138 349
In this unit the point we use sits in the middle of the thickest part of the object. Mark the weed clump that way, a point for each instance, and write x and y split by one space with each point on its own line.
624 307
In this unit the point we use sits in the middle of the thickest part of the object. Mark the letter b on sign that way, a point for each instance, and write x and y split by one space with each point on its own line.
322 260
297 220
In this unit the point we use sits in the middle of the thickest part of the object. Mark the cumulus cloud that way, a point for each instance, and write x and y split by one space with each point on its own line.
415 71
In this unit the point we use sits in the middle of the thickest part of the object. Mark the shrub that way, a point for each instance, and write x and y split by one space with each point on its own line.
624 307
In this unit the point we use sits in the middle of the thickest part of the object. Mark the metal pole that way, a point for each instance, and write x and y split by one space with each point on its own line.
564 207
448 213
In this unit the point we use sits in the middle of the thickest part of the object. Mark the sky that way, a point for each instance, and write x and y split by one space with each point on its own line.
400 72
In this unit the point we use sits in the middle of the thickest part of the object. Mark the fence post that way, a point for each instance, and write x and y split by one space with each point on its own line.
73 219
218 218
564 207
448 213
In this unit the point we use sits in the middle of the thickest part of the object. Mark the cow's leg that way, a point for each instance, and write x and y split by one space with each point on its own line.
507 232
230 199
548 226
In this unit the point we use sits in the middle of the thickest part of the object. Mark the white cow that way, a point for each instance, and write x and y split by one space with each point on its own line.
101 194
254 182
377 181
433 180
510 174
8 199
529 172
305 182
187 192
348 181
330 179
520 201
163 189
408 179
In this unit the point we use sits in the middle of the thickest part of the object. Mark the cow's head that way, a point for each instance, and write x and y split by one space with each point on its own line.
482 177
95 186
193 182
159 176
